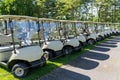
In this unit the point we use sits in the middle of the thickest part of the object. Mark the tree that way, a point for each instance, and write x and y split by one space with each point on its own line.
67 9
17 7
107 10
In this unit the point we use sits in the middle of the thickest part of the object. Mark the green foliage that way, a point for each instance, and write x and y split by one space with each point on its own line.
108 10
105 10
66 8
17 7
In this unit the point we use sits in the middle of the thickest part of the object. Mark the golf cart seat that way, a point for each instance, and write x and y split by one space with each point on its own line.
6 47
5 38
5 53
71 36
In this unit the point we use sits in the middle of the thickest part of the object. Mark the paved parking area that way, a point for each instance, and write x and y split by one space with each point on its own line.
100 63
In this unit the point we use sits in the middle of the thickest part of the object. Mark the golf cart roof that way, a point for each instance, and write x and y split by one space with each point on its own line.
17 17
46 19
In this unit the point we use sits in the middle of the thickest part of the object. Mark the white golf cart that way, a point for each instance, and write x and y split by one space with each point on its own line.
89 33
116 29
99 30
16 50
79 32
68 36
103 30
112 28
109 31
106 29
93 28
52 44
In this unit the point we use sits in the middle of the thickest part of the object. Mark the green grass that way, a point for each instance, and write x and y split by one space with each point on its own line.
38 72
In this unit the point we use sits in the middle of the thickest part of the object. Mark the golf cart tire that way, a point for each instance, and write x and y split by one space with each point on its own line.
91 41
50 54
65 51
101 37
22 66
68 50
42 61
80 47
81 43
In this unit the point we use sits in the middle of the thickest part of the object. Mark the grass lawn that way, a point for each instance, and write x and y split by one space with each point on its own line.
36 73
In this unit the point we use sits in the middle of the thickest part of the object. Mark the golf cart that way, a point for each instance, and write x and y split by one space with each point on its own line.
68 36
16 50
106 30
112 28
109 29
115 28
103 30
118 28
93 28
51 44
79 31
89 33
99 30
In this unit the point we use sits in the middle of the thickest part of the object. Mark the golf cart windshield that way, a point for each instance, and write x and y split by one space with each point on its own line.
91 28
5 33
79 28
106 27
70 30
50 30
99 28
66 30
116 26
23 32
85 29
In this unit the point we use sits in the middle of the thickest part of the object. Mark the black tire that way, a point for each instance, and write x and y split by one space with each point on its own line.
80 47
50 54
46 56
68 50
91 42
108 35
101 38
81 43
20 70
42 61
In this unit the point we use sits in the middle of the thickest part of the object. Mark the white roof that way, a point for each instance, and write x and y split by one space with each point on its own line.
17 17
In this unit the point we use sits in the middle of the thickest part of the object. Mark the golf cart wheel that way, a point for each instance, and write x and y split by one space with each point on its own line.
91 42
42 61
81 44
68 50
101 38
20 70
46 56
80 47
50 54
